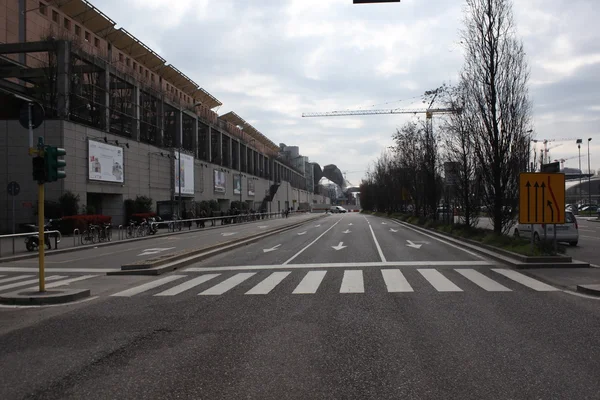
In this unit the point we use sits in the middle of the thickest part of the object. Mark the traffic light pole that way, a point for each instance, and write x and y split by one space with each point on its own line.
41 237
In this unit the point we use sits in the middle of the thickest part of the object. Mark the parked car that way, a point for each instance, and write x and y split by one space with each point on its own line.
567 232
337 209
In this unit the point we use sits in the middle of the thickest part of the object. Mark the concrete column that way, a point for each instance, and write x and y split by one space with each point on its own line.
220 147
22 27
105 82
230 155
239 156
160 115
136 112
209 145
195 138
179 128
63 63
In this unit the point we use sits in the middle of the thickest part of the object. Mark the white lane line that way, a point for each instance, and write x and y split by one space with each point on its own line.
590 237
377 244
269 283
147 286
15 278
61 270
352 282
29 282
345 265
311 243
187 285
227 284
586 230
525 280
482 281
439 281
440 240
395 281
310 283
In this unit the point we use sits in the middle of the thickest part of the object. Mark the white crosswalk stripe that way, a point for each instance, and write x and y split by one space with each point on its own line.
310 283
29 282
15 278
269 283
352 282
228 284
525 280
482 281
147 286
439 281
187 285
395 281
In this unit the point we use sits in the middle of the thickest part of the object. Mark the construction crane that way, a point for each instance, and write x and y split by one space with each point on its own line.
562 160
428 111
544 151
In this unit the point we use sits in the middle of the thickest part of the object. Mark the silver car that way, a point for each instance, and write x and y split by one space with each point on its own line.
567 232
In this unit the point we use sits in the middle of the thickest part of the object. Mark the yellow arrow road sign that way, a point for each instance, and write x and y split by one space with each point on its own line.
541 198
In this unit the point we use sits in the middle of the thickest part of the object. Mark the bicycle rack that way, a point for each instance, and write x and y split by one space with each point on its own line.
120 232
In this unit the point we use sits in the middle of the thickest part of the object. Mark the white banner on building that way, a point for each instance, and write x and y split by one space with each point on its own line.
184 166
105 162
219 181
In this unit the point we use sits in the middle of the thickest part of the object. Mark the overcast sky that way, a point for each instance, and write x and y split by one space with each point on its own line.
272 60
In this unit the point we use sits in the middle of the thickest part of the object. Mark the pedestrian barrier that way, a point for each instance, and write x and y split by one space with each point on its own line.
55 233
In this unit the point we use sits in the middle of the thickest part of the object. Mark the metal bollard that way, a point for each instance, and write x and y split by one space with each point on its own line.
75 235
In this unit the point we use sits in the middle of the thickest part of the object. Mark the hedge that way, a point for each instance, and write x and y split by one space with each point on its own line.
81 222
138 217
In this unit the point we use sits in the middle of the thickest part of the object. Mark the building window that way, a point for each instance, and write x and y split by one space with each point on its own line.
121 57
67 24
146 74
152 77
54 16
127 62
96 42
77 30
87 36
43 8
141 69
134 66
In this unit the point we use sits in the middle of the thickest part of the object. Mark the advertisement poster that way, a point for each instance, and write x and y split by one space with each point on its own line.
105 162
185 168
219 181
237 184
250 187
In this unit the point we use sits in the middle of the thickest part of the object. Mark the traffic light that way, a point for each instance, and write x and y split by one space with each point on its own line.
39 169
53 164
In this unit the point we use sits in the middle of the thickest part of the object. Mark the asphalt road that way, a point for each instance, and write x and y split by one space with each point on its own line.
312 319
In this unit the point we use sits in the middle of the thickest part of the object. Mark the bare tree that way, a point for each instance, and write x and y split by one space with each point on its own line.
495 77
460 153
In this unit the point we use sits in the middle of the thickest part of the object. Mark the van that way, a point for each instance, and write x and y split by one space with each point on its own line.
567 232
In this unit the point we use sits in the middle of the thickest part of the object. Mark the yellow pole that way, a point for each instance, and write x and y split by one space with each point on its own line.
41 238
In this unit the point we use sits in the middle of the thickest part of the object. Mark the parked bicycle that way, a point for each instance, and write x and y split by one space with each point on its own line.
105 232
90 235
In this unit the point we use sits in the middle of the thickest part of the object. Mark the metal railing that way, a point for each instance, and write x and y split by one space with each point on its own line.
55 233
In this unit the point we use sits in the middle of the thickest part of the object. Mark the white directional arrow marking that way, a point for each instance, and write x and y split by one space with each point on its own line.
350 224
384 223
271 249
393 230
301 233
228 233
262 227
347 231
316 226
339 246
147 252
411 244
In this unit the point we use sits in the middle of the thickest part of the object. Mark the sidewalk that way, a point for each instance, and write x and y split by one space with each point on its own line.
566 278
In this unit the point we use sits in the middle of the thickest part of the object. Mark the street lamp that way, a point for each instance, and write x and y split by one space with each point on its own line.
589 175
579 141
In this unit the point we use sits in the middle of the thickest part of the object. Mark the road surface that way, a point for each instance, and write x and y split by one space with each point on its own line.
347 307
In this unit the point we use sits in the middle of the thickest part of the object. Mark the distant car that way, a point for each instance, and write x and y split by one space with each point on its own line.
567 232
337 209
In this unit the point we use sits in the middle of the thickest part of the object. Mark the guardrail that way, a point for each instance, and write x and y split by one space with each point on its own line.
57 238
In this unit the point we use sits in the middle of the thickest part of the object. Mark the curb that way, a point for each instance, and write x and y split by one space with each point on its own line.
505 259
593 290
112 243
34 298
174 262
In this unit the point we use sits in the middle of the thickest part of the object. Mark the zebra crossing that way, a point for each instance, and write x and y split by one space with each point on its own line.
352 282
30 281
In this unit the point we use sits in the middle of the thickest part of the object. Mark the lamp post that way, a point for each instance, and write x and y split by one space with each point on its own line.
579 141
589 175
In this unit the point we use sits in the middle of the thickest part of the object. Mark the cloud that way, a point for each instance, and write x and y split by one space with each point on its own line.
272 60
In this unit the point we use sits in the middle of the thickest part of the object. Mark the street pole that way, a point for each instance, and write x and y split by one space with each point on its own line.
579 147
41 238
179 174
589 175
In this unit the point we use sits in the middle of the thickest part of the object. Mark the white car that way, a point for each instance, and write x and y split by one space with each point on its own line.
337 209
567 232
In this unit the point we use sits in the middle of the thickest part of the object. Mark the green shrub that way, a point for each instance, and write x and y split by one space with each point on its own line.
69 203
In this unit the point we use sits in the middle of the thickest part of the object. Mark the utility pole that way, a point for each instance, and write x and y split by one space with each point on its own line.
589 175
579 141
